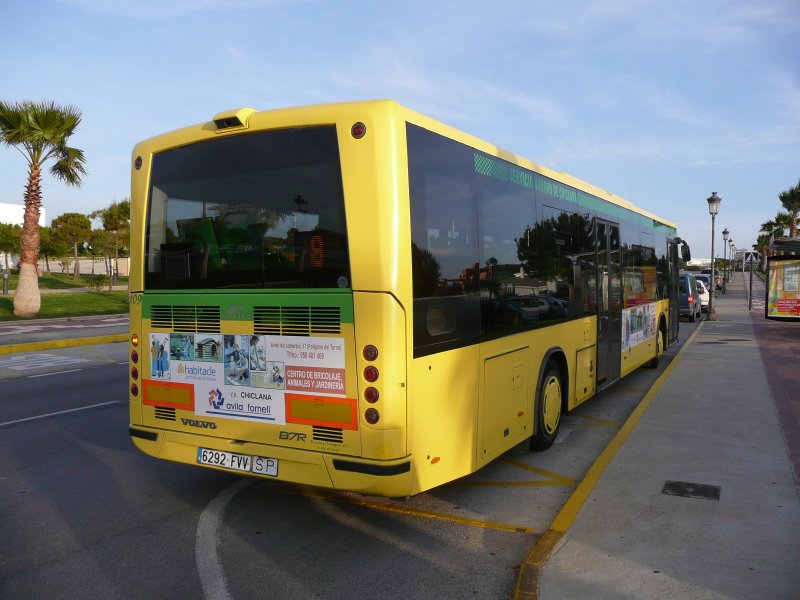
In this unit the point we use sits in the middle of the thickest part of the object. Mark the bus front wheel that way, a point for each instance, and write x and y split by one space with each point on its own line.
548 408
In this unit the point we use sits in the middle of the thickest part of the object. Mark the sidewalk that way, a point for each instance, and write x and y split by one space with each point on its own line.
726 417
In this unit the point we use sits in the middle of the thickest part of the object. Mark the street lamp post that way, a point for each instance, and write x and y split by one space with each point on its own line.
725 233
713 209
731 254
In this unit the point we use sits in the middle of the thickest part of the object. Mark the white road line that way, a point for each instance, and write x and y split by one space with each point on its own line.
61 412
53 373
209 567
27 362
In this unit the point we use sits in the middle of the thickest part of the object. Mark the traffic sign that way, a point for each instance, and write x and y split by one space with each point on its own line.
751 257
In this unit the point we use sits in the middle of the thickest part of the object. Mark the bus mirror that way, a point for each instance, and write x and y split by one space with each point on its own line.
686 254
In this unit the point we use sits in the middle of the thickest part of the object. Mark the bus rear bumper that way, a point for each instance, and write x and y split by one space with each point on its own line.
331 471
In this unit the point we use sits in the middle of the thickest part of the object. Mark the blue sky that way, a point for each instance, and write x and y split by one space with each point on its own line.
659 102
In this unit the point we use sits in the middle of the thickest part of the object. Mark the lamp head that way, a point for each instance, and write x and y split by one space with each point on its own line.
713 203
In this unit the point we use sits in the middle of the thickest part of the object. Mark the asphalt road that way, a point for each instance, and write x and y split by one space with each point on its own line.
83 514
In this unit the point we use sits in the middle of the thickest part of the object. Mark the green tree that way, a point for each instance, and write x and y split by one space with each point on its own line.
40 131
51 246
790 199
75 229
116 222
9 240
102 242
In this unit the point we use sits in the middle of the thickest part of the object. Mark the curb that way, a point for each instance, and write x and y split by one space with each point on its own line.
68 343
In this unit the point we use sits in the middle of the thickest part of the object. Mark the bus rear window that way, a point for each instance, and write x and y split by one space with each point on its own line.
255 210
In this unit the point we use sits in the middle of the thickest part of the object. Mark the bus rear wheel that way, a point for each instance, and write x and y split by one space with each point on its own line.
548 408
660 346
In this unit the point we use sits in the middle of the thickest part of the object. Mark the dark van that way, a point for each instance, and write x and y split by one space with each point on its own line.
688 298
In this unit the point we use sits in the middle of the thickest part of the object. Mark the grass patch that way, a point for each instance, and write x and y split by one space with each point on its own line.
56 281
71 304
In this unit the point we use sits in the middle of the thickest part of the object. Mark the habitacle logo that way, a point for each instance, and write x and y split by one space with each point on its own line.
201 372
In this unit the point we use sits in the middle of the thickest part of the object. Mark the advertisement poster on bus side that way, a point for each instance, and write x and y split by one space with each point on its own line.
247 376
638 325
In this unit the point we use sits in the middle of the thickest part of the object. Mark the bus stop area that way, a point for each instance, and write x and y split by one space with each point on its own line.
696 496
700 500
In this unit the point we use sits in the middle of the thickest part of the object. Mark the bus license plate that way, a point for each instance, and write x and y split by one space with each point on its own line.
238 462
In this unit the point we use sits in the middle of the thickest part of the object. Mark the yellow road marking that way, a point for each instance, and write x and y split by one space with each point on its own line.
553 479
598 422
68 343
412 512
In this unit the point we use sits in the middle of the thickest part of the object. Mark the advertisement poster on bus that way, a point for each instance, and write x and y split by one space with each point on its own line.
638 325
783 279
248 376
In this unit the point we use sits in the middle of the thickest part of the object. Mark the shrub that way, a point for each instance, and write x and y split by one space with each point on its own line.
95 282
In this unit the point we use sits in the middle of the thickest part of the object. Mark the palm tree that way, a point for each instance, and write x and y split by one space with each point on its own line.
777 226
791 202
40 132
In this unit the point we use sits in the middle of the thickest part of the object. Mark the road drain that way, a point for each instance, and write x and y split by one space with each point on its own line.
691 490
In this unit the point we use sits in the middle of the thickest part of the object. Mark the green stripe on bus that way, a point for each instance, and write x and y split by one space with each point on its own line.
238 306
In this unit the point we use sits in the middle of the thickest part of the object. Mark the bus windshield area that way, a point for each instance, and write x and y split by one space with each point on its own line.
253 210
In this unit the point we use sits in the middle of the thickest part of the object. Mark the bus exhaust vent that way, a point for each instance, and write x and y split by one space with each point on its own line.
168 414
297 320
327 434
202 319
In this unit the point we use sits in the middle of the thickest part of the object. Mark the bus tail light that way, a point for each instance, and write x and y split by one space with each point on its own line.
372 416
371 374
134 373
371 395
135 340
134 389
134 357
370 352
358 130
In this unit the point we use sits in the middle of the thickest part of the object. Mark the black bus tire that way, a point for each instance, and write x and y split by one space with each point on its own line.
548 407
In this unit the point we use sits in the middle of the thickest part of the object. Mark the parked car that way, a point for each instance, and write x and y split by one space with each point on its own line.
557 308
705 278
527 309
702 290
688 298
717 277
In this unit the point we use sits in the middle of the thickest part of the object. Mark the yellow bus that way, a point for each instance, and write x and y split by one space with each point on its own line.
358 297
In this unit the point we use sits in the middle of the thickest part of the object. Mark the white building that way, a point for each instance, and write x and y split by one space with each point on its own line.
14 213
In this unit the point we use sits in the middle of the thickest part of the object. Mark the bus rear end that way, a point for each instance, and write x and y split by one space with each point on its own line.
244 352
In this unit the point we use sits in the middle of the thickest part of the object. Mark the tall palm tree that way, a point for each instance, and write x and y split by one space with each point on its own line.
39 131
791 202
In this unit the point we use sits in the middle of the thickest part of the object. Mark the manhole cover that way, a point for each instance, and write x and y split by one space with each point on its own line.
691 490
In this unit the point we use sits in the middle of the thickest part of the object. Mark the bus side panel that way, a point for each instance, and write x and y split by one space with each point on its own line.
443 408
504 414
